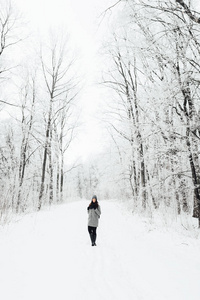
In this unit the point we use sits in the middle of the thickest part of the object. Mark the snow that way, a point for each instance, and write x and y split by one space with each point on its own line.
48 255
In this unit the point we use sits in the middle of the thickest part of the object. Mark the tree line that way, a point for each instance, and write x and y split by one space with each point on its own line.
153 109
39 117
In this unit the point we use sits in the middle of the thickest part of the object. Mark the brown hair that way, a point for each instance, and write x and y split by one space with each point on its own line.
96 202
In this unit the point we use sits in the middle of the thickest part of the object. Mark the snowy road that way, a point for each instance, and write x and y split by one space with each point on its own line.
47 255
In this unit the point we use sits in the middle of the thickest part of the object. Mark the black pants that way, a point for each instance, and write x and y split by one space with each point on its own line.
93 233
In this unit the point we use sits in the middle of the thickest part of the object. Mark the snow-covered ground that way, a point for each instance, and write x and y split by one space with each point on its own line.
47 256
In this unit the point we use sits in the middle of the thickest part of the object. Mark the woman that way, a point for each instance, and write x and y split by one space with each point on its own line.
94 212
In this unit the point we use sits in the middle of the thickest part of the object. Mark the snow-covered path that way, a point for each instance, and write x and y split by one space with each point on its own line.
48 255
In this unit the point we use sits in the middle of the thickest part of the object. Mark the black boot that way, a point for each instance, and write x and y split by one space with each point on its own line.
94 239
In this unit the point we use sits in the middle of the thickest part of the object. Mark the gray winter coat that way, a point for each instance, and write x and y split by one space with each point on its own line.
93 216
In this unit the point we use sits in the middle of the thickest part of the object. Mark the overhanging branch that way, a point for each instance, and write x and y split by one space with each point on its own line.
188 11
5 102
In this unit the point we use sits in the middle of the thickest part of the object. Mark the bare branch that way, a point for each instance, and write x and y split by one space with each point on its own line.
5 102
188 11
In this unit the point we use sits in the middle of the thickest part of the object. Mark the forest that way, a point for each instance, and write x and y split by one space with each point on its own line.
149 83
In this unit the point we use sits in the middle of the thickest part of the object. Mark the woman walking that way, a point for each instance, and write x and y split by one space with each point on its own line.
94 212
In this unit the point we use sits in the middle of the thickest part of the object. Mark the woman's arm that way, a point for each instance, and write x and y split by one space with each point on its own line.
98 211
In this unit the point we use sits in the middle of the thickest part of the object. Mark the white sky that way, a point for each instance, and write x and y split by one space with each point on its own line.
81 18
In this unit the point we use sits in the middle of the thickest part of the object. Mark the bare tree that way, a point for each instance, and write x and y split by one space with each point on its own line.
64 126
125 82
57 76
164 38
27 118
10 21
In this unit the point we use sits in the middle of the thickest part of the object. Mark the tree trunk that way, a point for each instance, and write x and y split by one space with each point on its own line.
58 181
195 179
45 155
50 171
61 177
